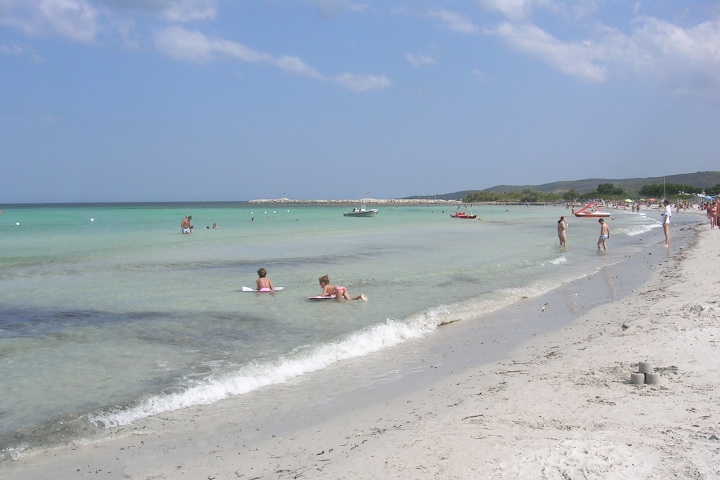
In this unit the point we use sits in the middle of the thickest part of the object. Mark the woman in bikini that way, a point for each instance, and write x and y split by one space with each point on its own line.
340 293
562 226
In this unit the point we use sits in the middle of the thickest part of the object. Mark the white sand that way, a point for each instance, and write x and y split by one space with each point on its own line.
561 406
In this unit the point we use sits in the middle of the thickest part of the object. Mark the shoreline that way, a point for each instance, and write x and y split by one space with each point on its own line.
530 414
391 201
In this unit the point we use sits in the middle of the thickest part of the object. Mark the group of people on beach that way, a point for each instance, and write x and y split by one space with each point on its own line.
602 241
185 226
605 228
712 209
264 284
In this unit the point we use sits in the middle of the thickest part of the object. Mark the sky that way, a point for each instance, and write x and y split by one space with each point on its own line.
221 100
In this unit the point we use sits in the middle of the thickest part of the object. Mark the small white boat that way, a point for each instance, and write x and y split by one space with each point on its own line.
361 212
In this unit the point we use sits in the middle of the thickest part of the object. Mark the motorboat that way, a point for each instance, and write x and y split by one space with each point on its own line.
591 210
362 212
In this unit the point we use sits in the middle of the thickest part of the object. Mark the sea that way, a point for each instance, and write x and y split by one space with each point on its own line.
109 315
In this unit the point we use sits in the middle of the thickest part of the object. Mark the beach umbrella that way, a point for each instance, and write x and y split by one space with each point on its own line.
628 200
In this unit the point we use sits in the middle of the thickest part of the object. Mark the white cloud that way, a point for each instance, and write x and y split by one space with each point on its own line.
519 10
19 51
683 58
73 19
454 21
189 10
172 10
419 59
512 9
194 46
362 83
577 59
480 75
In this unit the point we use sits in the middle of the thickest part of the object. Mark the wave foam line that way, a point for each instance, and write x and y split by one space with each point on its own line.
364 342
253 377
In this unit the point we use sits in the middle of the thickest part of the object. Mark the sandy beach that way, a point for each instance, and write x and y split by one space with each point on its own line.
561 405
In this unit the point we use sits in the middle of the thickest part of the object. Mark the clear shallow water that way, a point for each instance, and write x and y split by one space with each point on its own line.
109 315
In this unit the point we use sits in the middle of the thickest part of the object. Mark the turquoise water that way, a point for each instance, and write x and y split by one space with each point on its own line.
109 315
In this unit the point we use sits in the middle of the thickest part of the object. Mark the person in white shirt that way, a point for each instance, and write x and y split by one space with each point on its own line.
666 222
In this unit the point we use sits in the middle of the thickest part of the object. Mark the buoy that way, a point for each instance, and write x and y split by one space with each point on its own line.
92 219
17 223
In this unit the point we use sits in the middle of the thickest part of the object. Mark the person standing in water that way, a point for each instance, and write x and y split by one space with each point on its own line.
604 235
562 226
340 293
185 225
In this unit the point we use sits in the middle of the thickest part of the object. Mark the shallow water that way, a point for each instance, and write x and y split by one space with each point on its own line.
109 315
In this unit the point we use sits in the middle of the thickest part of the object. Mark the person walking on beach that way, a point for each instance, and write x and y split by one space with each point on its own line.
263 283
185 225
666 222
340 293
604 235
562 226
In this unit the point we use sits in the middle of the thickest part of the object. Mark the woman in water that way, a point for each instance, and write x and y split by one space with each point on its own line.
562 226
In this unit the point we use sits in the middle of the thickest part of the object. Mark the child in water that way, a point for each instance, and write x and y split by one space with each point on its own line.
264 284
339 292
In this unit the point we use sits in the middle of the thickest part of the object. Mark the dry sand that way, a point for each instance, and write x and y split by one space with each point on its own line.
561 406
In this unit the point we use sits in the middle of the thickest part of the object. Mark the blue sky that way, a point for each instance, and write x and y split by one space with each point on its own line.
185 100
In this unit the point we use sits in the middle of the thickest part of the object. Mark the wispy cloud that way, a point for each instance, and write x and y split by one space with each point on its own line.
522 10
420 59
19 51
512 9
171 10
73 19
580 59
192 45
362 83
457 22
683 57
655 49
333 8
84 20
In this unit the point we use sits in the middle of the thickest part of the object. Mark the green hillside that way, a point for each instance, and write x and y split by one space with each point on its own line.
699 179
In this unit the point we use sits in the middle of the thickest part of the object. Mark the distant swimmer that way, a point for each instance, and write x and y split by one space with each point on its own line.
263 283
340 293
185 226
562 226
604 235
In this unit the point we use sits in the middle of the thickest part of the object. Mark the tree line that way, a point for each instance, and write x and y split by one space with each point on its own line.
606 191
